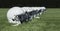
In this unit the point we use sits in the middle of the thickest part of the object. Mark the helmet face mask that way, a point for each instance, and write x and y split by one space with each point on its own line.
24 17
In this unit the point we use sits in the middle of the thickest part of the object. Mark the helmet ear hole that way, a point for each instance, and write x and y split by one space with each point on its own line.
13 19
16 18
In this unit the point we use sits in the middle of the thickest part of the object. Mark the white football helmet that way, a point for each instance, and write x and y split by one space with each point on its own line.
12 14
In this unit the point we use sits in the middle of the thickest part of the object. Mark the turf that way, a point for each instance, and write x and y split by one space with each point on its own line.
49 21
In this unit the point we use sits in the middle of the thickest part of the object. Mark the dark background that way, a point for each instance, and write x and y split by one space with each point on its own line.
30 3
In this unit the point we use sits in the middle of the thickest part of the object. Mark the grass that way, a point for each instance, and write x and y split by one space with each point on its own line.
49 21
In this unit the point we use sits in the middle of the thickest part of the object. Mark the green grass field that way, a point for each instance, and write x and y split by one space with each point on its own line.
49 21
